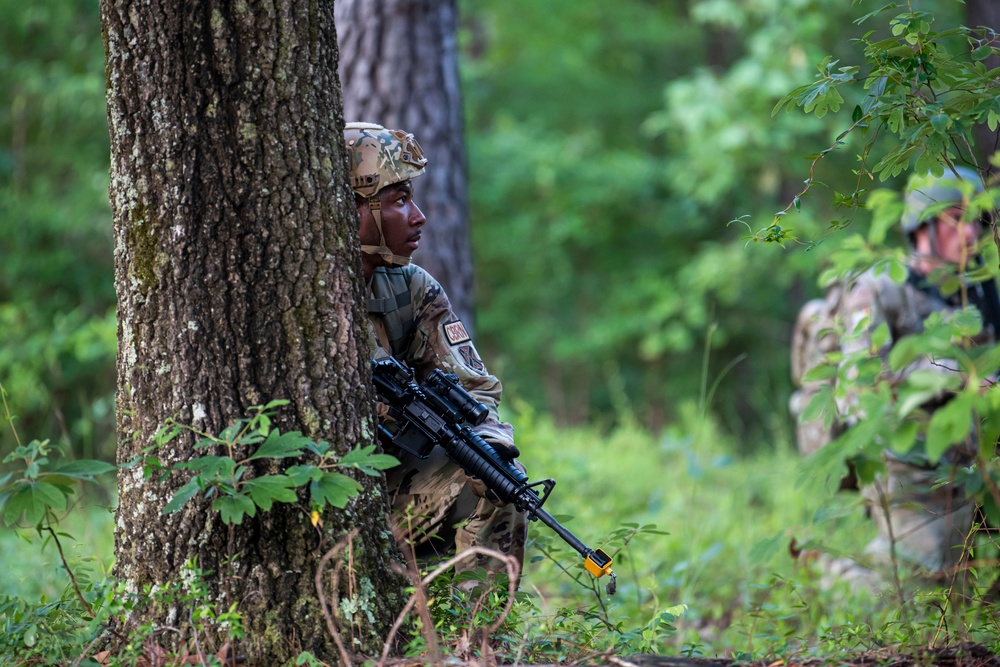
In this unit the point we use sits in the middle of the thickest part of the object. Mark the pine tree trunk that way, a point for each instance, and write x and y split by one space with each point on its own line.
239 282
399 68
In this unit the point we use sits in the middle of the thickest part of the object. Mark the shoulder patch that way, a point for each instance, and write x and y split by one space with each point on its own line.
456 333
472 359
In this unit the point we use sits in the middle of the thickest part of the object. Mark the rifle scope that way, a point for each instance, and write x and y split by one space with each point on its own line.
447 386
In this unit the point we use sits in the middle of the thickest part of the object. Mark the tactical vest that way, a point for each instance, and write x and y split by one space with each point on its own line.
392 303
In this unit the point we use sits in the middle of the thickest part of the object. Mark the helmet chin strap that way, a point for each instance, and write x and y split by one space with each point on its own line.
382 250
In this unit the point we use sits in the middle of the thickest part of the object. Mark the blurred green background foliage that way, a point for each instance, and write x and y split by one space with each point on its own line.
610 144
610 147
57 302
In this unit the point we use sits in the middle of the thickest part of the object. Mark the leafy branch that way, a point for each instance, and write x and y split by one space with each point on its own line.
37 495
237 493
915 91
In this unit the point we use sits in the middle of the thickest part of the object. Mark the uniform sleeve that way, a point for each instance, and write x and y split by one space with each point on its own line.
442 341
860 315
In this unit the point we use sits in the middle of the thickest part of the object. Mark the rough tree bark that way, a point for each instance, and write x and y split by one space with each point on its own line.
399 68
239 282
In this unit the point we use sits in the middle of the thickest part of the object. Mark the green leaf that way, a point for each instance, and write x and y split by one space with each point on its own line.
880 336
823 371
31 501
333 489
234 508
209 466
183 495
281 445
319 448
982 53
368 463
62 482
904 352
50 494
167 433
898 272
85 468
263 423
940 123
276 403
302 474
231 432
377 462
208 443
950 425
924 384
986 361
269 489
903 438
821 405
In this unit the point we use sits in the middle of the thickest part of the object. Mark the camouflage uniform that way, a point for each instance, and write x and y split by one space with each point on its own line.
412 319
929 522
813 339
924 520
434 502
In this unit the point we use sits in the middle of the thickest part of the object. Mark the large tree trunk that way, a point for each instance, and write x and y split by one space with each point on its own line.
399 68
239 282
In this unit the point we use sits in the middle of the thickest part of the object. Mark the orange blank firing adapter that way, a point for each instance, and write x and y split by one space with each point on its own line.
598 563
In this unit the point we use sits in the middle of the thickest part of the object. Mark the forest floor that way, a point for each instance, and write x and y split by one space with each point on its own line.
965 655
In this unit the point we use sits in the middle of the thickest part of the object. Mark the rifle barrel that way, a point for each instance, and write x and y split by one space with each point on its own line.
562 531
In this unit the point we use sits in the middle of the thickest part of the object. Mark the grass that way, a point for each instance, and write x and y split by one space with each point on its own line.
712 551
32 569
740 555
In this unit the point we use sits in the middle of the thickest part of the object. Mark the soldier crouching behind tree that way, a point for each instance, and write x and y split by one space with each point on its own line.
435 506
923 517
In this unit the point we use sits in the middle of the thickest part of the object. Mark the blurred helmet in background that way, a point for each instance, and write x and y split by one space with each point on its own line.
928 195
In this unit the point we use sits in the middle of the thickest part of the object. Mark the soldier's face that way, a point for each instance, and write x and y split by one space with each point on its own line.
956 239
401 220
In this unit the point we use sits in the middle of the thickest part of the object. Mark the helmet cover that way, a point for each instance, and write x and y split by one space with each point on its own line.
928 195
381 157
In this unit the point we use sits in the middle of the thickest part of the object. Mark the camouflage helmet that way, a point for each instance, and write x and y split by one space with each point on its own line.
381 157
925 195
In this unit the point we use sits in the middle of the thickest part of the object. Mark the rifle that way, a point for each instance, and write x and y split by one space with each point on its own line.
441 412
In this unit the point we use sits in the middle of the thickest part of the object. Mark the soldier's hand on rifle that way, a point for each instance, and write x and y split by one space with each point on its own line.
507 451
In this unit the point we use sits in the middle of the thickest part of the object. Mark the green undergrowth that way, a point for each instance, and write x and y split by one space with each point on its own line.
731 547
716 553
31 567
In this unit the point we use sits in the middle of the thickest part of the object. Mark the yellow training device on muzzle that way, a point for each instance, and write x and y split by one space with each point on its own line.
598 564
